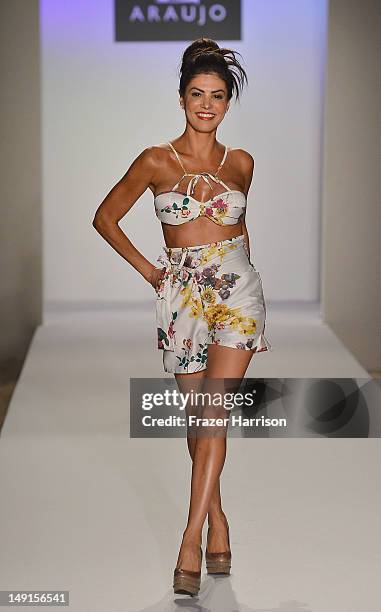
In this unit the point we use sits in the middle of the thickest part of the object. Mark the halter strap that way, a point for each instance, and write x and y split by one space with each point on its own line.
196 176
177 155
223 160
205 176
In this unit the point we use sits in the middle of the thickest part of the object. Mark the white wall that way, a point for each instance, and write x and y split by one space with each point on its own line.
104 102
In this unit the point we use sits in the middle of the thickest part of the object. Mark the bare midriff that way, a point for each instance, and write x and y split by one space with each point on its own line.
197 232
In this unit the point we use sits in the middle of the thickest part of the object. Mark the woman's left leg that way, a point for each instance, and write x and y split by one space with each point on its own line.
210 450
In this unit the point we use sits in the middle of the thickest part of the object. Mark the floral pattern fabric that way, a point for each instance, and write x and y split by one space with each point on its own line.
217 208
174 208
211 294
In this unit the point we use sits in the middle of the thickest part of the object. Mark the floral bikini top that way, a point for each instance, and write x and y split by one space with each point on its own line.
175 208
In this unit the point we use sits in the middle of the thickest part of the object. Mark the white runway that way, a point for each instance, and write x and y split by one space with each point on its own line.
87 509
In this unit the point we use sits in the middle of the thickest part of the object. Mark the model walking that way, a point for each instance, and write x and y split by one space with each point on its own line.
209 300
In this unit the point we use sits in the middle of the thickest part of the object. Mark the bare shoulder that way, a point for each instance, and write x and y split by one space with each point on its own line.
159 150
152 162
243 159
154 155
149 162
243 164
150 155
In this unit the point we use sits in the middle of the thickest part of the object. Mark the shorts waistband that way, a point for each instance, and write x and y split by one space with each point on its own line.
200 247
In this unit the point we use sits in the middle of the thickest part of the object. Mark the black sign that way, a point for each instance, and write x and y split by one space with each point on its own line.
147 20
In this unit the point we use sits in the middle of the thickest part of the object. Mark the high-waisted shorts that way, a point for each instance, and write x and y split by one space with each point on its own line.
210 294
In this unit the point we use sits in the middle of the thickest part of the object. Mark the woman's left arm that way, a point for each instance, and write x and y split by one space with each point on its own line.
246 234
247 169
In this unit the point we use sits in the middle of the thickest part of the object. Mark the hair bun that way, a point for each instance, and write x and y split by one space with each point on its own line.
201 46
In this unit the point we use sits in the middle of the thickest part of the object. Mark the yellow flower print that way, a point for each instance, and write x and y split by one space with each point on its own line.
196 309
222 251
191 302
245 325
249 327
238 320
208 295
208 253
220 212
186 292
218 313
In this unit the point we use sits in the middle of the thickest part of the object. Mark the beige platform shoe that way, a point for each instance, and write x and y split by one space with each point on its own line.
218 562
186 582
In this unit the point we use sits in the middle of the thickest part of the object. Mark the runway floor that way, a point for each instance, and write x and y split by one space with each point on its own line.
88 509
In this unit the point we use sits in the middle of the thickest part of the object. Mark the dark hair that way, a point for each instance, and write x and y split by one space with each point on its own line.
204 56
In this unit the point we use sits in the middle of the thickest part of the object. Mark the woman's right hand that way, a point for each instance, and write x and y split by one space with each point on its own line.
157 277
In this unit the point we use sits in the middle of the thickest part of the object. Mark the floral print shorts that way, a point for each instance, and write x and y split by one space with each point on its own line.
210 294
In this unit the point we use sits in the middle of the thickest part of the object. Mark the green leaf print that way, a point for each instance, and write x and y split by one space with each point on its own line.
162 336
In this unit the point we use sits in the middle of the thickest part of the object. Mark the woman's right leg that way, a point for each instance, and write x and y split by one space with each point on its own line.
218 535
187 382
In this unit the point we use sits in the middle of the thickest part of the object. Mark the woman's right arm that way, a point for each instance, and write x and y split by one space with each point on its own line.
118 202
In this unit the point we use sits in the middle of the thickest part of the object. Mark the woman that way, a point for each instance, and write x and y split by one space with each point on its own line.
210 306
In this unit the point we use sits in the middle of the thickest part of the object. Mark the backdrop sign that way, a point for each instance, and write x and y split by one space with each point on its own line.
177 19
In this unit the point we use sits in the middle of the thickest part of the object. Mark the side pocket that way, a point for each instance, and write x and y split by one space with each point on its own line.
251 264
248 257
159 291
161 286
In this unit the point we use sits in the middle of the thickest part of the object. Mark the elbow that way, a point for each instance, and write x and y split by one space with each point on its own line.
100 222
97 224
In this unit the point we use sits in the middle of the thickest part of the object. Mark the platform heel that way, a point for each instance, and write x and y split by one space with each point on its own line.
186 582
219 562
